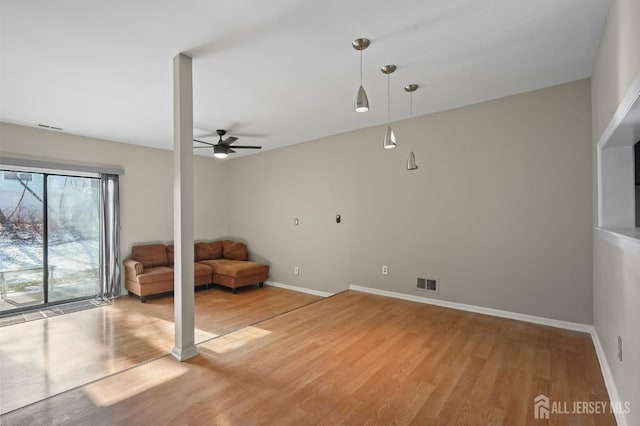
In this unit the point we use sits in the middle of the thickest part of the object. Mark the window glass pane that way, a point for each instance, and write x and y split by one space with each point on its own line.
21 239
73 237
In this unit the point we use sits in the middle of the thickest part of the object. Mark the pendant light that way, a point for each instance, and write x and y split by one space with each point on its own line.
411 161
389 136
362 102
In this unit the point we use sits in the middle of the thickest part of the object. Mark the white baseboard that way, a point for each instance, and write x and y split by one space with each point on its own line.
585 328
621 418
299 289
183 354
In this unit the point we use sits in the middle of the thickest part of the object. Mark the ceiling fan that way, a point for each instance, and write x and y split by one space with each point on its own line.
222 149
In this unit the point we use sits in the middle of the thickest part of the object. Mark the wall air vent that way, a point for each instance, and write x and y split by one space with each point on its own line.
46 126
427 284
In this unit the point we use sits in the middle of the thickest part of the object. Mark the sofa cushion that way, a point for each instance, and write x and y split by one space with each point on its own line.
210 250
233 250
170 254
200 269
150 255
236 268
156 274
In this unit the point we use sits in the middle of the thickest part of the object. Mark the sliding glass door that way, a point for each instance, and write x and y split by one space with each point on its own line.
49 238
73 237
21 240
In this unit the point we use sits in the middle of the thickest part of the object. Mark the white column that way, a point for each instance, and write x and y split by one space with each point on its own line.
183 209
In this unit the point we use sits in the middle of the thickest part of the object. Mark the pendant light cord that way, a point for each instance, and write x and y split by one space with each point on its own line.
360 67
388 98
410 104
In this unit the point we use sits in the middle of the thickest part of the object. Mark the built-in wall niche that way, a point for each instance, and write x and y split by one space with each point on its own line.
619 168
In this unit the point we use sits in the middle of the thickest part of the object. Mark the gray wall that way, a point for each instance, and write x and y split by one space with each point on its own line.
617 271
499 210
617 313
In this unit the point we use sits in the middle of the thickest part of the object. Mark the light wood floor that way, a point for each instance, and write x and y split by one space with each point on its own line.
45 357
350 359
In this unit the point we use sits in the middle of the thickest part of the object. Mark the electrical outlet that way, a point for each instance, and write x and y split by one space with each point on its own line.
385 270
620 348
296 270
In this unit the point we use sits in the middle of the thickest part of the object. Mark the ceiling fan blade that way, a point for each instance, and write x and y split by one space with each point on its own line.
202 147
231 151
246 147
248 135
229 140
208 143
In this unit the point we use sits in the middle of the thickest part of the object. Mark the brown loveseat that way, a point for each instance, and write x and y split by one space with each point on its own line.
150 268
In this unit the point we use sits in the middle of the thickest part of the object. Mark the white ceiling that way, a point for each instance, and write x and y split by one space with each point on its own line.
279 71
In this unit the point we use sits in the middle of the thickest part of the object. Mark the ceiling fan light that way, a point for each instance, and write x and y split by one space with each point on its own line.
220 151
389 139
362 101
411 162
